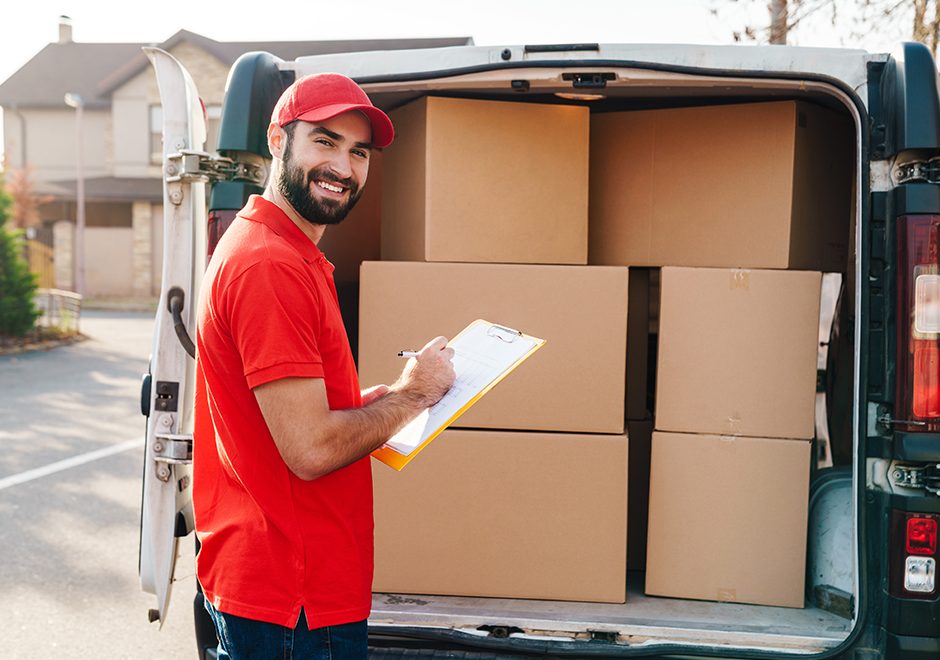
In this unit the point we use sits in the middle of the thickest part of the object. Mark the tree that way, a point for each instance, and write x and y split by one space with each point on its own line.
856 18
25 210
18 311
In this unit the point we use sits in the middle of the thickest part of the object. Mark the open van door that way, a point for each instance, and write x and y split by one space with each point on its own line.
167 397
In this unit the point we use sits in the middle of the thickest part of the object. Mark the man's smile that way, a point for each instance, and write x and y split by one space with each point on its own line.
331 187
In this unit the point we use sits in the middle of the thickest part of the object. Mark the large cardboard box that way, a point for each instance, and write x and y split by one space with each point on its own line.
575 382
487 181
761 185
737 352
727 518
507 514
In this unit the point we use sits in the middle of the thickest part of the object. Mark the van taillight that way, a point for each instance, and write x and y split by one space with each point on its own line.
917 391
914 555
219 221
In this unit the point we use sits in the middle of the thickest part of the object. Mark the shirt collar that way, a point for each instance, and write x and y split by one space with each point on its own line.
266 212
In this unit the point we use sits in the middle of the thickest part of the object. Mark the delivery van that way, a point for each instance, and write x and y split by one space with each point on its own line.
729 446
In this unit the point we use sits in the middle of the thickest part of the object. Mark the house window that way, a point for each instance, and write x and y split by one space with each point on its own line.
213 115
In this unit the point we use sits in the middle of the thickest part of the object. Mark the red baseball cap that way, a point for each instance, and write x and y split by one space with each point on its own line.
321 96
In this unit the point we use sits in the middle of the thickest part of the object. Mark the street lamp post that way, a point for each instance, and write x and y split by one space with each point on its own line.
76 101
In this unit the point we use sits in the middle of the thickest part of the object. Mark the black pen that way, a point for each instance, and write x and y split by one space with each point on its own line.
408 354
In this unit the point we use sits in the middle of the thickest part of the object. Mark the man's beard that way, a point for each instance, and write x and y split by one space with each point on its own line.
294 184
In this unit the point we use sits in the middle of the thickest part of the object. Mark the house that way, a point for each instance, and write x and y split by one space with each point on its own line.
121 149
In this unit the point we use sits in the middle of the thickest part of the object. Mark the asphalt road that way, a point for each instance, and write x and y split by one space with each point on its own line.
69 533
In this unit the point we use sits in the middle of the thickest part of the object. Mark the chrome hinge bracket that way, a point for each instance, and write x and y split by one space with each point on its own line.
187 166
918 171
922 477
887 422
171 449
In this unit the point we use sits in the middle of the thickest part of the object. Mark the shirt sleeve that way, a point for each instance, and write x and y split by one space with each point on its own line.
274 320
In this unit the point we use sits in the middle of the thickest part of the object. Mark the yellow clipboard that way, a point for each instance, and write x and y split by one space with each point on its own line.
484 354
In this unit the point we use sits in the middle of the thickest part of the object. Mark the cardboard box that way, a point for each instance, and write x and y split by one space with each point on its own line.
727 518
761 185
576 382
737 352
507 514
487 181
357 238
640 434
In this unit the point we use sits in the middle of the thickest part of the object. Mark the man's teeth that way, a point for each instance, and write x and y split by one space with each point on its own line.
329 186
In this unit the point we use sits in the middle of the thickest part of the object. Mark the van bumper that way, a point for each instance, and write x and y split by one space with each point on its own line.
907 647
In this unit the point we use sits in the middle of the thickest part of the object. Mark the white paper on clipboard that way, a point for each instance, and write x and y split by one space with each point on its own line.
483 353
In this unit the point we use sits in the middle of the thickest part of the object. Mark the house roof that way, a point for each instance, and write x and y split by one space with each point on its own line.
95 70
61 68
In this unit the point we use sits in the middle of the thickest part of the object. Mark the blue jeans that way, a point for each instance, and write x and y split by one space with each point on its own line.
246 639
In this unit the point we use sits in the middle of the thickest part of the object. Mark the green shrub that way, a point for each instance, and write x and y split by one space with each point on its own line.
18 311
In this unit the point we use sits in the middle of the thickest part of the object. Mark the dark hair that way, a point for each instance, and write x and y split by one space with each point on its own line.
289 128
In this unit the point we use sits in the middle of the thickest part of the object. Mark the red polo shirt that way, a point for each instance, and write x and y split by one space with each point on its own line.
271 542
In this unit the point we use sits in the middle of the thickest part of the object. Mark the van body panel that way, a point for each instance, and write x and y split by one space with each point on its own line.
894 104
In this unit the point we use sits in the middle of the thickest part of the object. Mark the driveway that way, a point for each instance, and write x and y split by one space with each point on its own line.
71 435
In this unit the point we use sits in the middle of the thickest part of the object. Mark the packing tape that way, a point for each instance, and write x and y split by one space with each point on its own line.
727 594
733 425
740 279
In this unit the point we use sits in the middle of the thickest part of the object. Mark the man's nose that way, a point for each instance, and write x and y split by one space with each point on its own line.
341 165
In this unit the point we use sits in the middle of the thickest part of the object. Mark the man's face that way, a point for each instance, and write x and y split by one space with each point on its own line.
325 165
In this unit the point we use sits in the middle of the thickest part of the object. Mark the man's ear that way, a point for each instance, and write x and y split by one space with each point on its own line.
276 137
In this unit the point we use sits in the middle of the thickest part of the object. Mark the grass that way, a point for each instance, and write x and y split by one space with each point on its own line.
39 339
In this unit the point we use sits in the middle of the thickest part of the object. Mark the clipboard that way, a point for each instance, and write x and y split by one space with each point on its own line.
484 354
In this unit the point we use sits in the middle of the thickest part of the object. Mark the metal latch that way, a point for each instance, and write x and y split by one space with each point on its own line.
589 80
187 166
923 477
171 449
914 171
887 422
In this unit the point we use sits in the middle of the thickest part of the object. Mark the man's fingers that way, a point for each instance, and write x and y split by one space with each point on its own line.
436 344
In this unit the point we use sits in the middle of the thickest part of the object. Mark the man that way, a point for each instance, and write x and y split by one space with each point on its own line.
282 488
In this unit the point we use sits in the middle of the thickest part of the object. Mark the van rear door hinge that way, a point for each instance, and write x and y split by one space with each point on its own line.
921 477
187 166
918 171
171 449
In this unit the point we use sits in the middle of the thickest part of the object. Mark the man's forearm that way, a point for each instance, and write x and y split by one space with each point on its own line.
352 433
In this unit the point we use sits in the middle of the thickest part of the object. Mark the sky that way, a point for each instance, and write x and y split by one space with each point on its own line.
30 24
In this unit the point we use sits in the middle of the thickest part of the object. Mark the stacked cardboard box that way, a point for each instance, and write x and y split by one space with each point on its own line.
736 186
729 187
484 215
735 419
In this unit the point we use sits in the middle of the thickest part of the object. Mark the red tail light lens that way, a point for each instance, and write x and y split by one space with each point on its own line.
913 555
219 221
918 323
921 536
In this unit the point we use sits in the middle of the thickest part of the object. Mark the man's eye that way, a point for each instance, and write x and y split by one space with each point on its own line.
324 141
360 153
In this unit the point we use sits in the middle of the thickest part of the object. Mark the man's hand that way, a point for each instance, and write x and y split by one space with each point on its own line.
314 440
428 377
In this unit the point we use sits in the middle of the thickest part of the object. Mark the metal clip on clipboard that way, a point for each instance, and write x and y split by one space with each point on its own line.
503 333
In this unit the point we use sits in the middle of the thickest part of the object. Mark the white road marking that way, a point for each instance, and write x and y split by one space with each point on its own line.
68 463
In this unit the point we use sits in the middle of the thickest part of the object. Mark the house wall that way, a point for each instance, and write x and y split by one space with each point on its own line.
108 257
50 144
